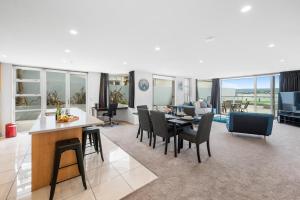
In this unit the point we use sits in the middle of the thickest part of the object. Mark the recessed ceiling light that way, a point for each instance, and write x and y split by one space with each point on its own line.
4 56
210 39
73 32
246 8
67 51
124 63
282 60
157 48
271 45
201 61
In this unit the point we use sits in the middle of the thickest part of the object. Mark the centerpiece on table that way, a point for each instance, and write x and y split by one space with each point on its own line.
62 118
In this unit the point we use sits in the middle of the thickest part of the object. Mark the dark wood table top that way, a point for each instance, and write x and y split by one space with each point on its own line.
105 109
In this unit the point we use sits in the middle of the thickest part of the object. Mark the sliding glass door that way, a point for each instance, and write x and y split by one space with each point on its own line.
250 94
163 91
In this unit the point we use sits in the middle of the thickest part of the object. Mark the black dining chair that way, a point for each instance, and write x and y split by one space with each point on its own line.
200 136
140 107
189 111
162 129
245 108
145 124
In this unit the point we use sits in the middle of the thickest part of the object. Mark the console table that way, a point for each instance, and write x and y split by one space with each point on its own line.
289 117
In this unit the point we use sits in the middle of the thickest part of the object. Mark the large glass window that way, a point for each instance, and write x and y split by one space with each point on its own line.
78 91
186 88
118 89
56 89
250 94
37 89
27 93
163 91
204 90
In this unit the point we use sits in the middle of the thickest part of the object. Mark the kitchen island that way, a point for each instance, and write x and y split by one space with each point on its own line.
45 133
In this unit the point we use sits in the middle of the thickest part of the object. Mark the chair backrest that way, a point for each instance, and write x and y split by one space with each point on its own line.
189 111
112 109
144 120
238 101
204 127
246 105
159 123
228 103
142 107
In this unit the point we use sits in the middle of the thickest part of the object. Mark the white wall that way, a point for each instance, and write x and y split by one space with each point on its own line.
6 95
141 97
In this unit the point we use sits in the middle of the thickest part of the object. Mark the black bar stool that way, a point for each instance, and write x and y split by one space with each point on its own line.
60 147
94 133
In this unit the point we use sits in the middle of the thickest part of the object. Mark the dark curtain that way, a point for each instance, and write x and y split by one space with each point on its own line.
289 82
103 90
131 90
215 95
197 95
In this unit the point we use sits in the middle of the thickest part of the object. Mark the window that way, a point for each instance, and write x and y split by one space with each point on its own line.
37 89
204 90
118 89
260 93
163 90
186 89
28 102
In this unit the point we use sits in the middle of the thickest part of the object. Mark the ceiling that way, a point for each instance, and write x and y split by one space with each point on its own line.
111 32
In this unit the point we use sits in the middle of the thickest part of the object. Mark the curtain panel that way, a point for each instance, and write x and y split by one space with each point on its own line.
215 95
131 90
197 95
289 81
103 90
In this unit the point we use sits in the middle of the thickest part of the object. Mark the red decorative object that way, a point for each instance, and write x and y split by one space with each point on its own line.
10 130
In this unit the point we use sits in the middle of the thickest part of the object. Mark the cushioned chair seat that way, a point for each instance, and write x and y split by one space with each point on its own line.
188 134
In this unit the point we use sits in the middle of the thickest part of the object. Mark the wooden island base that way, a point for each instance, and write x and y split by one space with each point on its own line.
43 150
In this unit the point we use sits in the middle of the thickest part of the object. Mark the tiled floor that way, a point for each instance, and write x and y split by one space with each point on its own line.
119 175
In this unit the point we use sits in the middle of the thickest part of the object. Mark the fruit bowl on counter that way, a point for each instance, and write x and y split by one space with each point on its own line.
67 118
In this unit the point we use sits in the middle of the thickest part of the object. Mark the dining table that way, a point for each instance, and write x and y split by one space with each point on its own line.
178 124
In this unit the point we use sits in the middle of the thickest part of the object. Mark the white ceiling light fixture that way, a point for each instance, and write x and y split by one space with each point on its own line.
157 48
271 45
210 39
246 9
201 61
73 32
67 51
124 63
282 60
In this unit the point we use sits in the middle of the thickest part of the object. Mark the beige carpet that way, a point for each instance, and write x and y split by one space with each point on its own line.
241 166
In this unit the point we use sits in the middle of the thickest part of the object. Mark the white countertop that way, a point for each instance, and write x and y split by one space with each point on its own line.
48 123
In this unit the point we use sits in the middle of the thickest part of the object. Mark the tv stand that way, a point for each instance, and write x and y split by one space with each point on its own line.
289 117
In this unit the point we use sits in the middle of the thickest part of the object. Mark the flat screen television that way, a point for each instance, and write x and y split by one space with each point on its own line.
290 101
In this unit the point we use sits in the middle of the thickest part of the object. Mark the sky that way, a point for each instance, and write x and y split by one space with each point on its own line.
263 82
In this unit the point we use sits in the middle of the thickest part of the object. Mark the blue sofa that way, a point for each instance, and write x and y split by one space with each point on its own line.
250 123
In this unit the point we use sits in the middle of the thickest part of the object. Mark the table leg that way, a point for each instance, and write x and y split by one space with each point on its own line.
175 145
